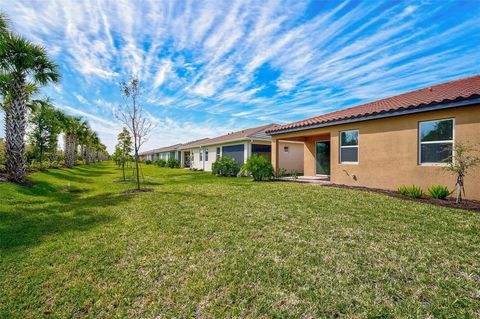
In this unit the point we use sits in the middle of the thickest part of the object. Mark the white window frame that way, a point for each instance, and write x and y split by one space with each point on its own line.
218 152
200 155
349 146
452 141
205 154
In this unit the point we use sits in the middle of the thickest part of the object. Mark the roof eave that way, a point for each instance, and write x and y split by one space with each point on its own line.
246 139
405 111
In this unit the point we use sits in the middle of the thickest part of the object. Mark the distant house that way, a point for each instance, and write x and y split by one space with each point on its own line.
240 145
164 153
400 140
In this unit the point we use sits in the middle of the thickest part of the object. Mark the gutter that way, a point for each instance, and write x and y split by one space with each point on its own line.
434 107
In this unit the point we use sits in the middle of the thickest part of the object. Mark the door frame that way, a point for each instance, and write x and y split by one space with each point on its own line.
330 155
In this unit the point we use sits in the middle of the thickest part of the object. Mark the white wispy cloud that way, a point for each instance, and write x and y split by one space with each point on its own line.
251 61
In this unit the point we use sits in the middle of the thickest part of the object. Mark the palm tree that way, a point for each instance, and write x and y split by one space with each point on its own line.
83 138
22 62
72 126
3 23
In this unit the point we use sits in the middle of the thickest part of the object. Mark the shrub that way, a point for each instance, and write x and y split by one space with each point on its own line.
148 162
225 166
54 164
172 163
161 162
282 172
259 167
411 191
439 191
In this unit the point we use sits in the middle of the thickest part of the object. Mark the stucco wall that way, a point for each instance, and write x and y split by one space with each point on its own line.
291 161
388 151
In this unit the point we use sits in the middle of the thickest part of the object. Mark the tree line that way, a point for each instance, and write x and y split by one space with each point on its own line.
24 68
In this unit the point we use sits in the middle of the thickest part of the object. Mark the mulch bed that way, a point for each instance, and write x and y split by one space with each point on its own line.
472 205
141 190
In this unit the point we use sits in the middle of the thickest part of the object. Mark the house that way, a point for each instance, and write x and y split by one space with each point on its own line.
240 145
164 153
400 140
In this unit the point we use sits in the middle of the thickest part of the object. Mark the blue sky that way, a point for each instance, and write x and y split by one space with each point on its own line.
211 67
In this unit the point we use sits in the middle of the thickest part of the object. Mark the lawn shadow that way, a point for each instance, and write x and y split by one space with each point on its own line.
67 175
65 212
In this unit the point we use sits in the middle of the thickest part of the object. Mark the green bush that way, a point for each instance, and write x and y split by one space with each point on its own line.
225 166
172 163
259 167
439 191
54 164
411 191
161 162
148 162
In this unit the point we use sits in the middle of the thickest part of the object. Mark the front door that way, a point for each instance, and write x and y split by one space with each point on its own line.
323 158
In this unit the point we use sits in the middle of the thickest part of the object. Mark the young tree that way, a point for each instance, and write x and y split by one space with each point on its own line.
124 148
45 128
21 63
459 163
131 114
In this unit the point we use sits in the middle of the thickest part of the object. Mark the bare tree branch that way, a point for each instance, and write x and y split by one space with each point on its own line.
131 115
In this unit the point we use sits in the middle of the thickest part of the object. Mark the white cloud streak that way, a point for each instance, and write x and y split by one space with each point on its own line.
248 61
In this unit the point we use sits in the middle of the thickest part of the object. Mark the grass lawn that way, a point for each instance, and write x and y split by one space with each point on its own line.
202 246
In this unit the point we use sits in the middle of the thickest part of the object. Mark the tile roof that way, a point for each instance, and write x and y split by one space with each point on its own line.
257 132
441 93
170 148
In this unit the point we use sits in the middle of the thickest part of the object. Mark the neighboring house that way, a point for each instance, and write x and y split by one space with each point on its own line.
395 141
240 146
164 153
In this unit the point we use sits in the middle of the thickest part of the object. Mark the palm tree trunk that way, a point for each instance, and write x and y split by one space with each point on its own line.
15 125
69 150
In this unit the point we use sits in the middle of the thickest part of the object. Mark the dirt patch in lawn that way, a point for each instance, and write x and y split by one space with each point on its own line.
141 190
471 205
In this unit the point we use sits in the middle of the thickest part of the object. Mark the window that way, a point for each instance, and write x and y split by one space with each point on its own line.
234 151
285 149
349 146
436 141
206 155
201 155
218 152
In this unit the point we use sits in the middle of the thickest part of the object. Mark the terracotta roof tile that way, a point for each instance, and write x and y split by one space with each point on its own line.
445 92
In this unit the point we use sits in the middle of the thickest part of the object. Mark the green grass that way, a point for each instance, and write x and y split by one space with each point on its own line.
202 246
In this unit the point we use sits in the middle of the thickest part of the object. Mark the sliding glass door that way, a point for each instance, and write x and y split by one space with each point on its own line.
323 158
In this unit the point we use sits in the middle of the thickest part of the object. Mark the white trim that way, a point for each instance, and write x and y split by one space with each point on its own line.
419 141
349 146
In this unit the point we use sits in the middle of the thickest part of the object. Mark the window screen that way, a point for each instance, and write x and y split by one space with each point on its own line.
234 151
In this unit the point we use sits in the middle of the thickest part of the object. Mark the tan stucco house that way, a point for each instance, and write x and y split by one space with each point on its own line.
240 145
400 140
